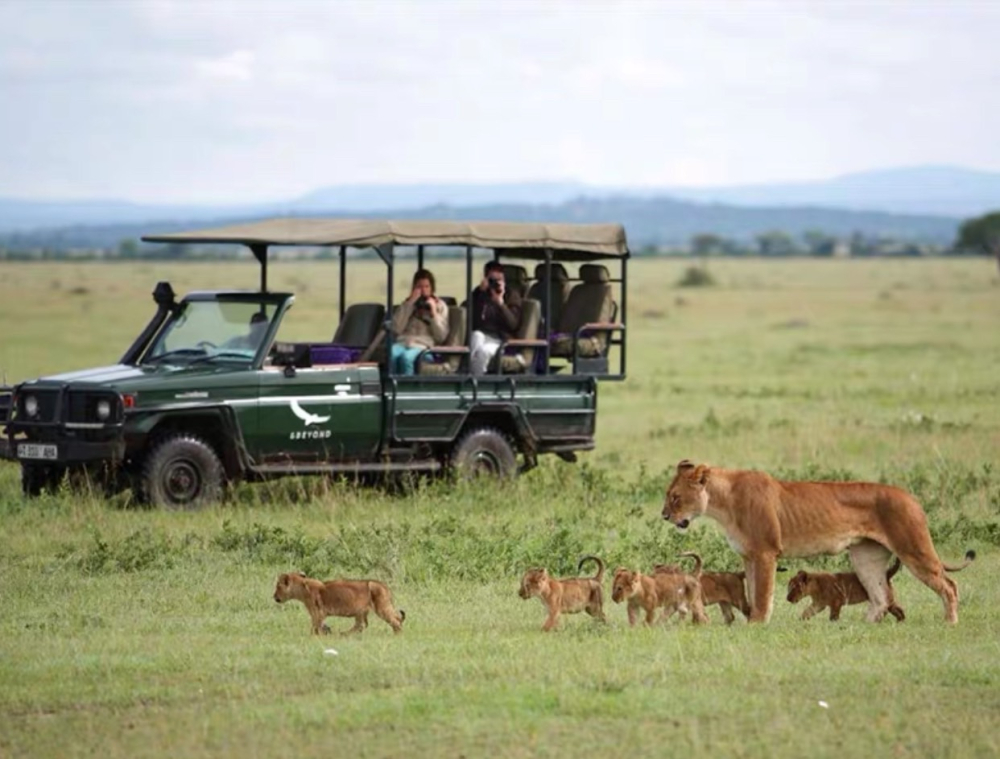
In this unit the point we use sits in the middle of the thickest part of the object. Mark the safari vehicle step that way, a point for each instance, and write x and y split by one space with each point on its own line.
208 393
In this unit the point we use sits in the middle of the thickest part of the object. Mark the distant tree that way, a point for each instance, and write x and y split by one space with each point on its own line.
707 245
981 234
819 243
128 248
776 243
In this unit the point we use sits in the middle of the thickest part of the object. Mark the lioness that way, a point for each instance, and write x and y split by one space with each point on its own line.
838 590
339 598
673 590
567 595
765 518
726 589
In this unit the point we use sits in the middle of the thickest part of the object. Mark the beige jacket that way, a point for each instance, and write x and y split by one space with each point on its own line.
425 331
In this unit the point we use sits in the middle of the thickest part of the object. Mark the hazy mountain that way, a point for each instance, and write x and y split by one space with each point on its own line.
26 215
654 221
407 196
913 203
942 190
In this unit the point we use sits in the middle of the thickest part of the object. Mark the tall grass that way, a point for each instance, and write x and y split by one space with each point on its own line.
137 632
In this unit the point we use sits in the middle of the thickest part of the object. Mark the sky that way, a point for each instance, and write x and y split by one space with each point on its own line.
233 101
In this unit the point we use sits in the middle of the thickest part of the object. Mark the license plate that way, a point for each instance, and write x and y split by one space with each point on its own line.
37 451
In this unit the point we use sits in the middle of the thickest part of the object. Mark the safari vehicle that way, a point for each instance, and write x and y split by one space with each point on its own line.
195 404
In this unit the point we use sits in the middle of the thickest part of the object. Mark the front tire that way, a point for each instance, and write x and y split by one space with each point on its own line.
484 451
38 478
182 472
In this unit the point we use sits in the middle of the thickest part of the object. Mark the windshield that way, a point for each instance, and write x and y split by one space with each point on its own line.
205 330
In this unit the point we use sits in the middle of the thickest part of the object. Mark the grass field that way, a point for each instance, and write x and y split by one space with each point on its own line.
127 632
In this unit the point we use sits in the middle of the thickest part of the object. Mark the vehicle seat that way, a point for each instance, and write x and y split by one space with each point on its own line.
360 324
560 290
450 363
589 302
516 277
519 360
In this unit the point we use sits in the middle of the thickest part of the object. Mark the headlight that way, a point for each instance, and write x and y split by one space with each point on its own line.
31 405
103 410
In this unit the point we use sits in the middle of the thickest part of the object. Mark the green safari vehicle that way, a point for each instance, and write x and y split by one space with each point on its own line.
201 400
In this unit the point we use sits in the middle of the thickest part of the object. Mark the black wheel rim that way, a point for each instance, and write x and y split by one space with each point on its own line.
181 481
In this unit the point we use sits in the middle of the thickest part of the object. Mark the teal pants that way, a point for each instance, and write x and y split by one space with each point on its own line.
404 360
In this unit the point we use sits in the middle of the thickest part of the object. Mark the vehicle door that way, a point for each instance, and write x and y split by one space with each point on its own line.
318 414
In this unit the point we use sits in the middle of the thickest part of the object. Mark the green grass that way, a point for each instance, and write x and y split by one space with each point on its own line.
129 632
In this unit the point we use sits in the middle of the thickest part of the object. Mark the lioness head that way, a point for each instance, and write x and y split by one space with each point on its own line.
285 589
624 585
798 587
686 495
534 583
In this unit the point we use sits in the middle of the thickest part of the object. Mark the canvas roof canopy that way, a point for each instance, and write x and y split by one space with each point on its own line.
567 242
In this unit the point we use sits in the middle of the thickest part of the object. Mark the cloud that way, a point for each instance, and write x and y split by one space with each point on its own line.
233 101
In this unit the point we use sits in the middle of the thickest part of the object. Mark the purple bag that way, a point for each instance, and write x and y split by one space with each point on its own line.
333 354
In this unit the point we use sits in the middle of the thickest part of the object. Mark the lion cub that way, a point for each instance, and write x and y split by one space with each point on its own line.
727 589
838 590
675 591
339 598
568 595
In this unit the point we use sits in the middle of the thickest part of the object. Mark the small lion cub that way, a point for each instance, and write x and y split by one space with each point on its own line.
836 591
568 595
339 598
668 587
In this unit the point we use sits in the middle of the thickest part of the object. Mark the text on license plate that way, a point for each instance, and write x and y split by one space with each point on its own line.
37 451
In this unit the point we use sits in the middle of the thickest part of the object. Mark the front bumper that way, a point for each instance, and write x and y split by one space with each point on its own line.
62 433
67 451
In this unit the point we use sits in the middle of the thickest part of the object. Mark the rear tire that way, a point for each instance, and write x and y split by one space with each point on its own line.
182 472
483 451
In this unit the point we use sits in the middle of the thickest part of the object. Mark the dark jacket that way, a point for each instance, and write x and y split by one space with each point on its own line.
497 320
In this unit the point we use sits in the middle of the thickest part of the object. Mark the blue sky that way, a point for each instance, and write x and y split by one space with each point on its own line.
233 101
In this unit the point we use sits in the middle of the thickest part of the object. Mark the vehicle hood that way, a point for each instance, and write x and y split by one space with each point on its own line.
125 378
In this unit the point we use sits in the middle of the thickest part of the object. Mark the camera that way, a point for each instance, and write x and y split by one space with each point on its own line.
422 303
495 285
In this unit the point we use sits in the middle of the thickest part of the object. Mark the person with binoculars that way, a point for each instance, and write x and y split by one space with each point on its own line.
420 322
496 316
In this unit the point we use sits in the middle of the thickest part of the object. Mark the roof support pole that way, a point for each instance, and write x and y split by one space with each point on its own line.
548 294
343 280
260 253
623 319
420 257
468 290
387 253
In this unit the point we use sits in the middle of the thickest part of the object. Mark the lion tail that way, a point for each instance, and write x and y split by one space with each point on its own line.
970 556
893 569
697 562
600 566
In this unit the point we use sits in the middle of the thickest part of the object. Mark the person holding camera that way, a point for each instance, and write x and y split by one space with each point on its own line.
496 316
420 322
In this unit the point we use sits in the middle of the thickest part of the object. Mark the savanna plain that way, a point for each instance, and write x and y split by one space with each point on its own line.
128 632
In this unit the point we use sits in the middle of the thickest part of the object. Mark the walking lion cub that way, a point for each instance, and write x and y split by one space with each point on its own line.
566 595
339 598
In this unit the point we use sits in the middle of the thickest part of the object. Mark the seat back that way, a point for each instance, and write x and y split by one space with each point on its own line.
455 339
590 301
560 290
360 324
520 360
516 278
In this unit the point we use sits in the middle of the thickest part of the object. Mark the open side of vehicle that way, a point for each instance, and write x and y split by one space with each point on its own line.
208 393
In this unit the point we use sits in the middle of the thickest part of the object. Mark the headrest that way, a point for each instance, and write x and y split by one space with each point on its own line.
558 272
594 274
515 273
